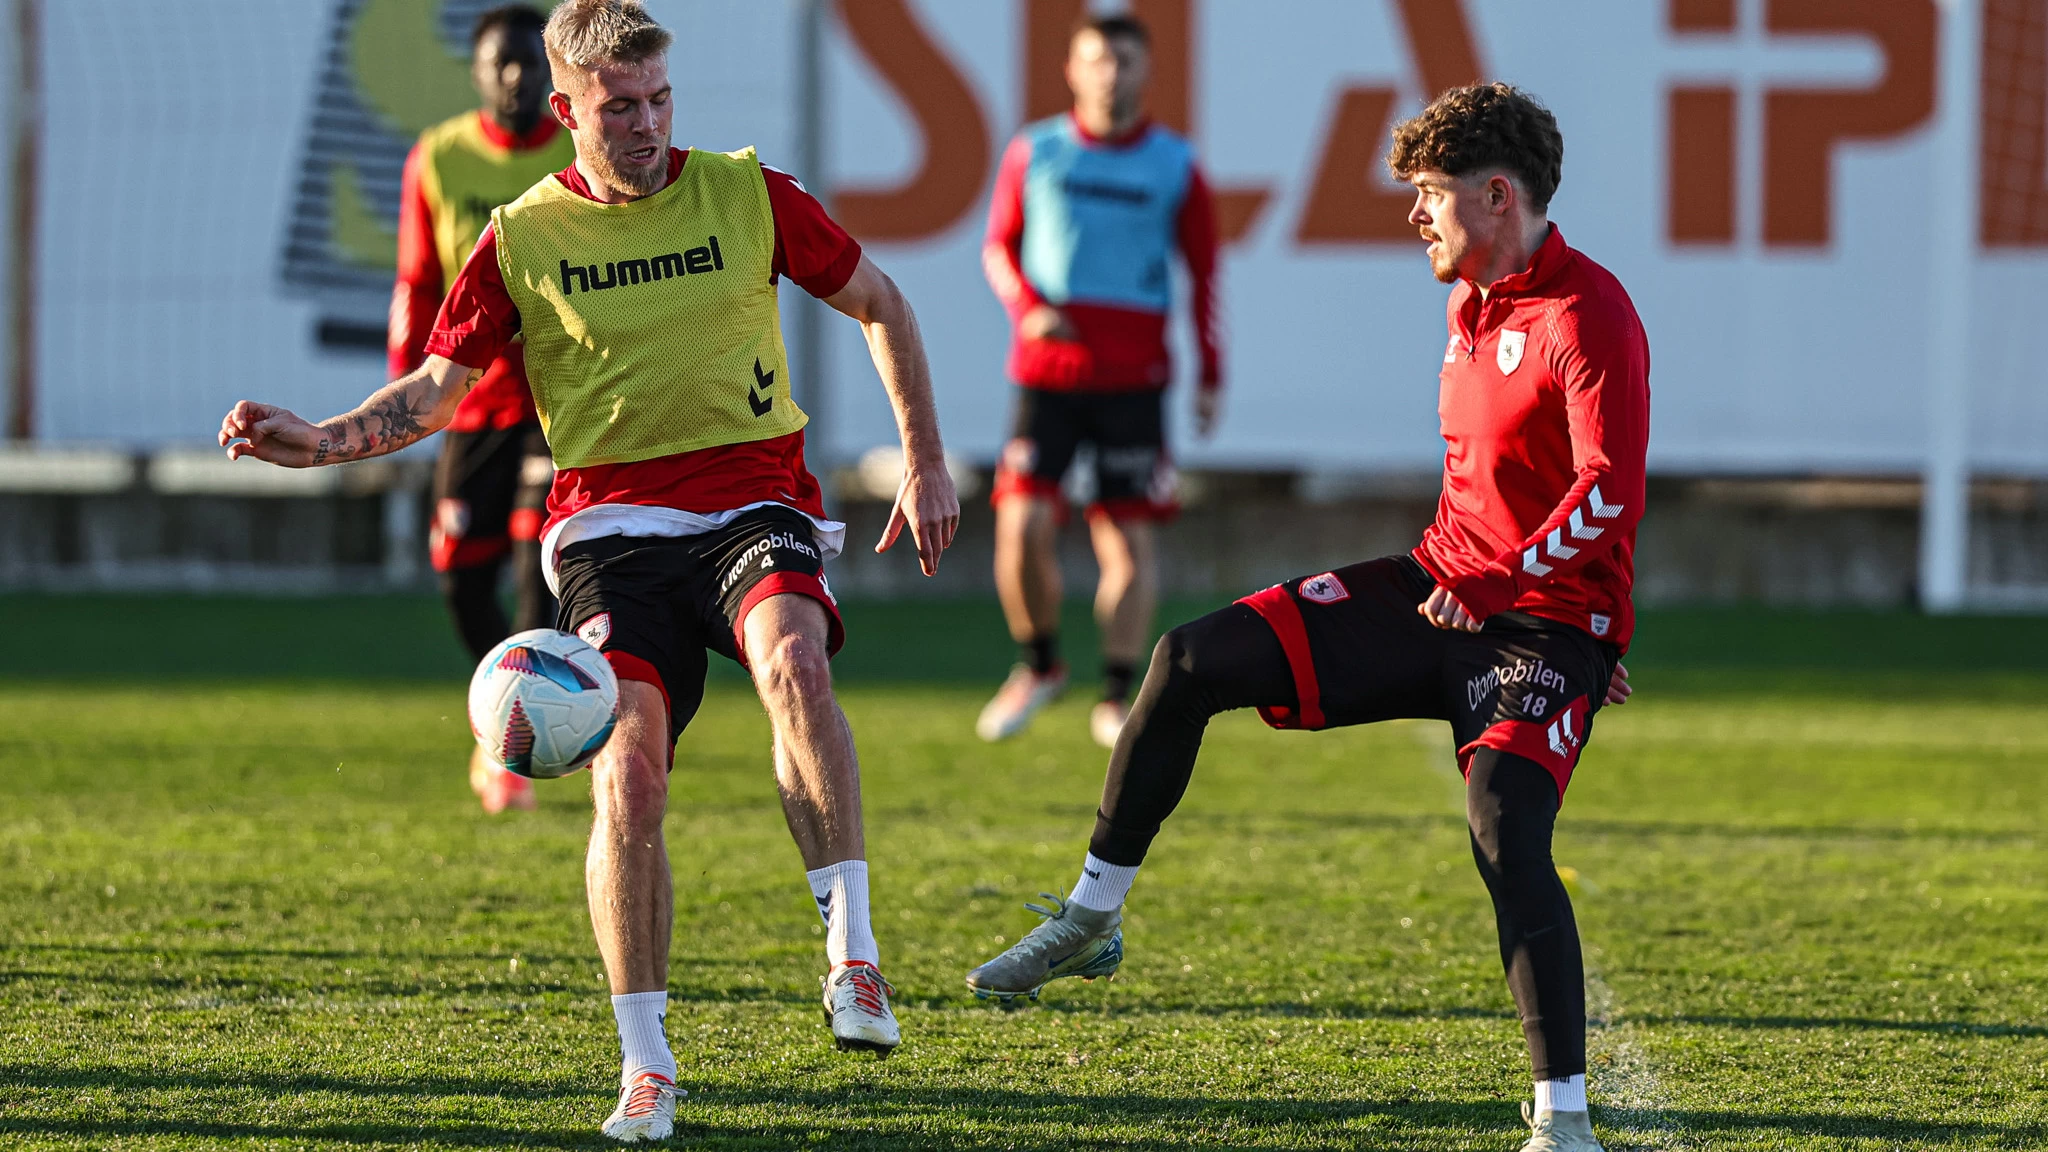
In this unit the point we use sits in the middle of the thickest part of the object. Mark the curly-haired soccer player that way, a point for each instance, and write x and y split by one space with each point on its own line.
1509 620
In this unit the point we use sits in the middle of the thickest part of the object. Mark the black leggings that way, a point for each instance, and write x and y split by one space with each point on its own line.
1231 659
472 597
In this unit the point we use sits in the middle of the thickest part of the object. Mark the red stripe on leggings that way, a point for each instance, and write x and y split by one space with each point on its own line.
1283 616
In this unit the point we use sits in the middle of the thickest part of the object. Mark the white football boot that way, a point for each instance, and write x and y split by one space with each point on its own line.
1106 721
857 1008
1559 1131
1018 700
646 1111
1072 941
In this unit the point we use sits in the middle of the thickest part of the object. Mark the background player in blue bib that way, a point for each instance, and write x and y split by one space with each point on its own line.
1090 209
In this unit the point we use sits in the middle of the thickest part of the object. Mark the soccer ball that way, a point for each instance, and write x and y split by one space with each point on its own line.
543 703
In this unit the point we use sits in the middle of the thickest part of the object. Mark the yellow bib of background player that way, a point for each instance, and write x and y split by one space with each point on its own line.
651 328
464 177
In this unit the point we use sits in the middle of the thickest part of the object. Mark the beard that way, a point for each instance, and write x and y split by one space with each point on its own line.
1443 262
634 179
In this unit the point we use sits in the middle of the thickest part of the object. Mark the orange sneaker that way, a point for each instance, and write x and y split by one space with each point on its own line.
497 788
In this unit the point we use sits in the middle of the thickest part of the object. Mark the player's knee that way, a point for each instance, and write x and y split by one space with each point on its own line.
794 669
630 787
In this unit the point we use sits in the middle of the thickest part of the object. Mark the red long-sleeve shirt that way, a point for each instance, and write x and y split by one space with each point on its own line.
1545 406
1116 348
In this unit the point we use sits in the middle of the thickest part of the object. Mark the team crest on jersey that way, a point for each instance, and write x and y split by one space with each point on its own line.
596 630
1601 624
1325 589
1510 355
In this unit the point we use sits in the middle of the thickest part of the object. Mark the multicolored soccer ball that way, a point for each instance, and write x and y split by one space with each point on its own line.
543 703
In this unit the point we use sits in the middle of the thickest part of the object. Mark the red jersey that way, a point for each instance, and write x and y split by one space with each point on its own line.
1545 406
501 399
1116 348
479 320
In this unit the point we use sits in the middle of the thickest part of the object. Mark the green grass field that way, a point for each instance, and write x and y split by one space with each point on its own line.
247 902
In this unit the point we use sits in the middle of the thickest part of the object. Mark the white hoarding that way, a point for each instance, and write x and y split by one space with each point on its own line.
1757 172
218 177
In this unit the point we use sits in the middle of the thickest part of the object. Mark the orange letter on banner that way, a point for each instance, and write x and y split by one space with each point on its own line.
1347 204
1702 166
956 136
2014 140
1048 29
1802 126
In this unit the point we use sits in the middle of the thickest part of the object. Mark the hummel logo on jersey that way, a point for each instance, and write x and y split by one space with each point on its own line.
625 273
1594 508
596 630
1101 190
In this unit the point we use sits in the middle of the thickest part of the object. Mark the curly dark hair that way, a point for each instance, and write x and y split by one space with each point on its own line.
1469 130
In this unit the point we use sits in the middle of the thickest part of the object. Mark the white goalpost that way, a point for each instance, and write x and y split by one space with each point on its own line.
1945 493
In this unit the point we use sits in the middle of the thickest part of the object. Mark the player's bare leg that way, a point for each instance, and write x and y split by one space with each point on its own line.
816 769
626 875
1028 583
632 898
818 774
1126 598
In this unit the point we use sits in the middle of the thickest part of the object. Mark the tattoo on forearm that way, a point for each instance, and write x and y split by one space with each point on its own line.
385 425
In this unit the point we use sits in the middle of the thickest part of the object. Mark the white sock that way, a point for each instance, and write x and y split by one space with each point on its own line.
643 1046
1102 886
842 893
1567 1095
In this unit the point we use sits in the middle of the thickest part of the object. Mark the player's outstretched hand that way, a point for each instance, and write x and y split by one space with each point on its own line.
271 433
1443 610
1618 690
927 505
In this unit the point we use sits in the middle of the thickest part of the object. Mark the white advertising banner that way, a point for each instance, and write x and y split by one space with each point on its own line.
218 196
1757 172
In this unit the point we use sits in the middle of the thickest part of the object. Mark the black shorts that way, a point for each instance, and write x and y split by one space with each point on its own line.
655 605
490 489
1360 653
1131 474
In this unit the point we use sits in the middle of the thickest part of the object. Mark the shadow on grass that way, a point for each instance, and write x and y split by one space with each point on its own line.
877 1116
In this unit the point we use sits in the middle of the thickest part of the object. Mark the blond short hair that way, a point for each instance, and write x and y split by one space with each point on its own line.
583 35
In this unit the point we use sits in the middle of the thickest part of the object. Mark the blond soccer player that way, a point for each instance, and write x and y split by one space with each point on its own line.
683 520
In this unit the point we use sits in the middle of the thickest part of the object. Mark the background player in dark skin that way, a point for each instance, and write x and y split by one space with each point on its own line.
1545 409
492 477
510 70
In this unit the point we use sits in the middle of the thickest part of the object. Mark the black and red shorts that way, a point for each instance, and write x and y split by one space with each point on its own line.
1129 475
655 606
1360 653
490 489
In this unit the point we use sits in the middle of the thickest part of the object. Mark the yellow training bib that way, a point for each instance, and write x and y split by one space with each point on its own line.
651 327
464 177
